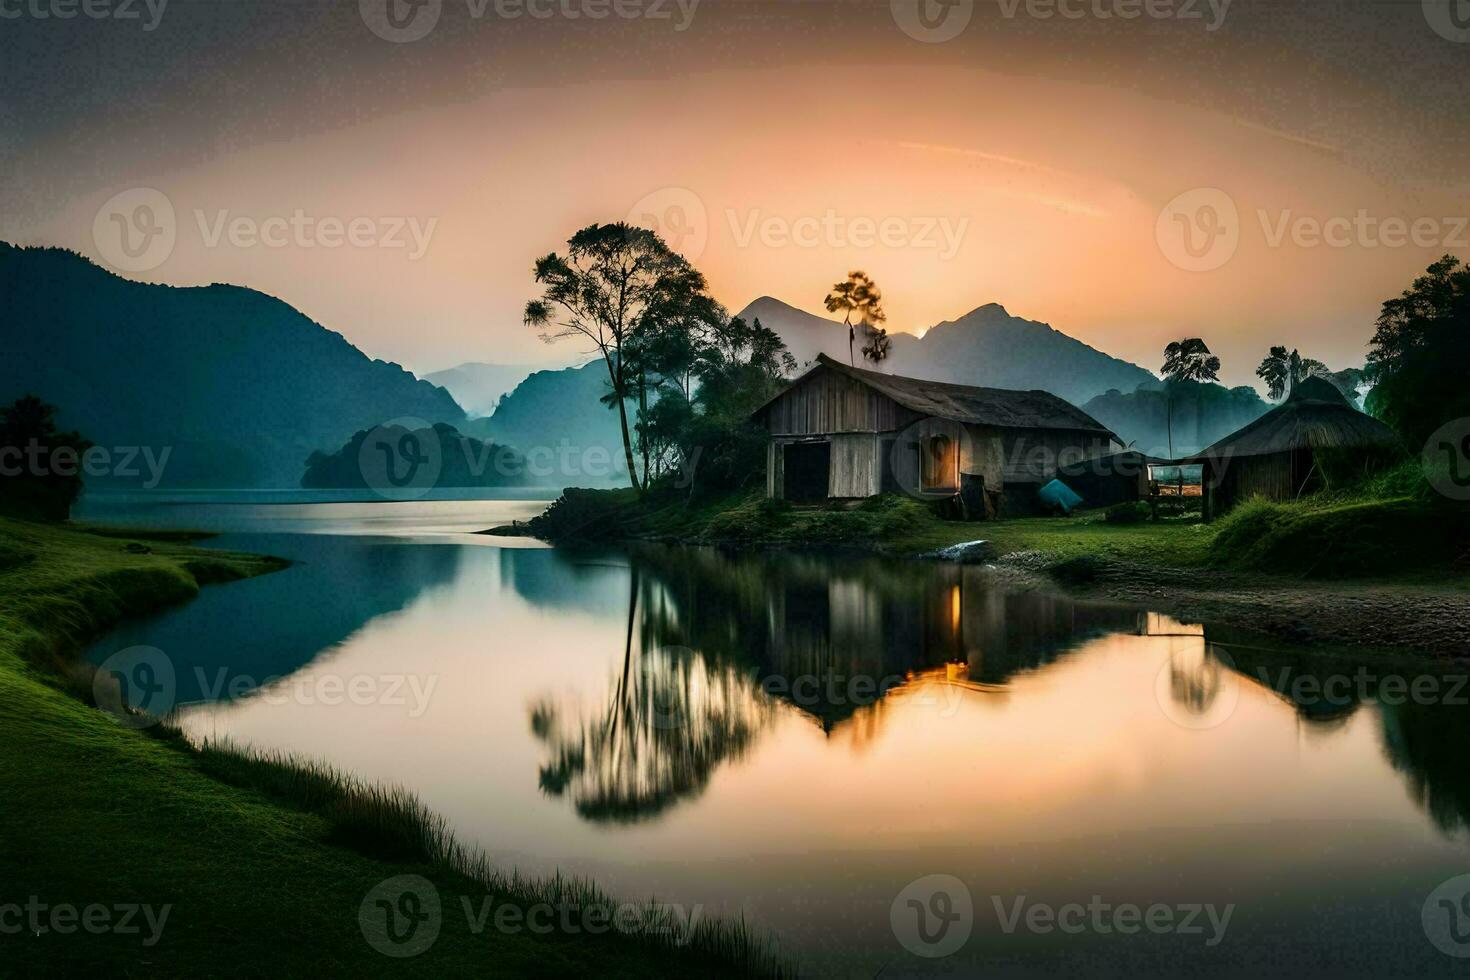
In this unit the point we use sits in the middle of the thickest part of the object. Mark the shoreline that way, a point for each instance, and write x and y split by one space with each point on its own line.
210 829
1419 613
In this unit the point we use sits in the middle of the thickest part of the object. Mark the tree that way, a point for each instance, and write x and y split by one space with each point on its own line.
40 466
1420 353
1283 371
1190 360
858 295
876 349
1186 360
616 286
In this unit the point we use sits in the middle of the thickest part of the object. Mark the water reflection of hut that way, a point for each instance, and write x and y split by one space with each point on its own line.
1281 455
834 637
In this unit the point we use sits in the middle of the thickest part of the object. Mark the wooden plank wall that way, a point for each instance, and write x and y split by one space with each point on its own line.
828 402
855 468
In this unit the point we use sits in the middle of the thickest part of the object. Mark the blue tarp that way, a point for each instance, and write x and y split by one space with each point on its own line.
1058 495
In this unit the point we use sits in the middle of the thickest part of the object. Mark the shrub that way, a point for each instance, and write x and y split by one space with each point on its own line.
1338 540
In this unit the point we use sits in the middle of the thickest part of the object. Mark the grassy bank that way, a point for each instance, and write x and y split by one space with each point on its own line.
264 863
1387 531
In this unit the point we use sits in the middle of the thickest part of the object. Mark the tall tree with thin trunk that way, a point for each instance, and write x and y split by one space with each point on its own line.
614 286
1186 360
858 296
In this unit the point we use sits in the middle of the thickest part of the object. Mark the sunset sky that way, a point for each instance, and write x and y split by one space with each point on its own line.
1051 164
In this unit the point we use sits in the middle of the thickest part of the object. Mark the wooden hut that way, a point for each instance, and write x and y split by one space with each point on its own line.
839 432
1278 456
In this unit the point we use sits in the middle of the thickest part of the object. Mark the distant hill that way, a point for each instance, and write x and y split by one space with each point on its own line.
432 458
239 386
477 386
986 346
556 420
1200 414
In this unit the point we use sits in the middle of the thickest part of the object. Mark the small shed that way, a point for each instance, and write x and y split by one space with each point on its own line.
1112 478
1278 456
839 432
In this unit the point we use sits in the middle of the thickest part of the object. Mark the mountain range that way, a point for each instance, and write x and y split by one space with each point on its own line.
478 387
239 387
987 347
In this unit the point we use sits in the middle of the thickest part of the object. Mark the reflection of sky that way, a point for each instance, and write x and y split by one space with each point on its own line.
1066 780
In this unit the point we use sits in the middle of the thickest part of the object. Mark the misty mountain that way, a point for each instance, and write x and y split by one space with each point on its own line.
1197 414
556 420
477 387
986 347
237 385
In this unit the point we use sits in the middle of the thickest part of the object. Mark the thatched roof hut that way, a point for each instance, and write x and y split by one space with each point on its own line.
1276 456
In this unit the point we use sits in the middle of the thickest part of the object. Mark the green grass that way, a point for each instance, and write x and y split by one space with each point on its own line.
891 524
264 861
1388 527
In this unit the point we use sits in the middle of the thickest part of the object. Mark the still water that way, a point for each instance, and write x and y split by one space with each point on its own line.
797 739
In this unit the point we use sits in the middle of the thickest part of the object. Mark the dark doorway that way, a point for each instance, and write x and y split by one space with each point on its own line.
806 465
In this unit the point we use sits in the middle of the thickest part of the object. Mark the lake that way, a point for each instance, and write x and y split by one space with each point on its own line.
808 740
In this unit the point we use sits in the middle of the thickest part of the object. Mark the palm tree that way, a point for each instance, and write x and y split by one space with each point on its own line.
1186 360
1190 360
861 296
1281 371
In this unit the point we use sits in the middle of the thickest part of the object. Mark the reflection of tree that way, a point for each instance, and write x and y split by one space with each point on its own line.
1427 742
1196 678
1430 744
671 718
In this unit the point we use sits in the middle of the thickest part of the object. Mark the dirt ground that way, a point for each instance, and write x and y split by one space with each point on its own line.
1404 618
